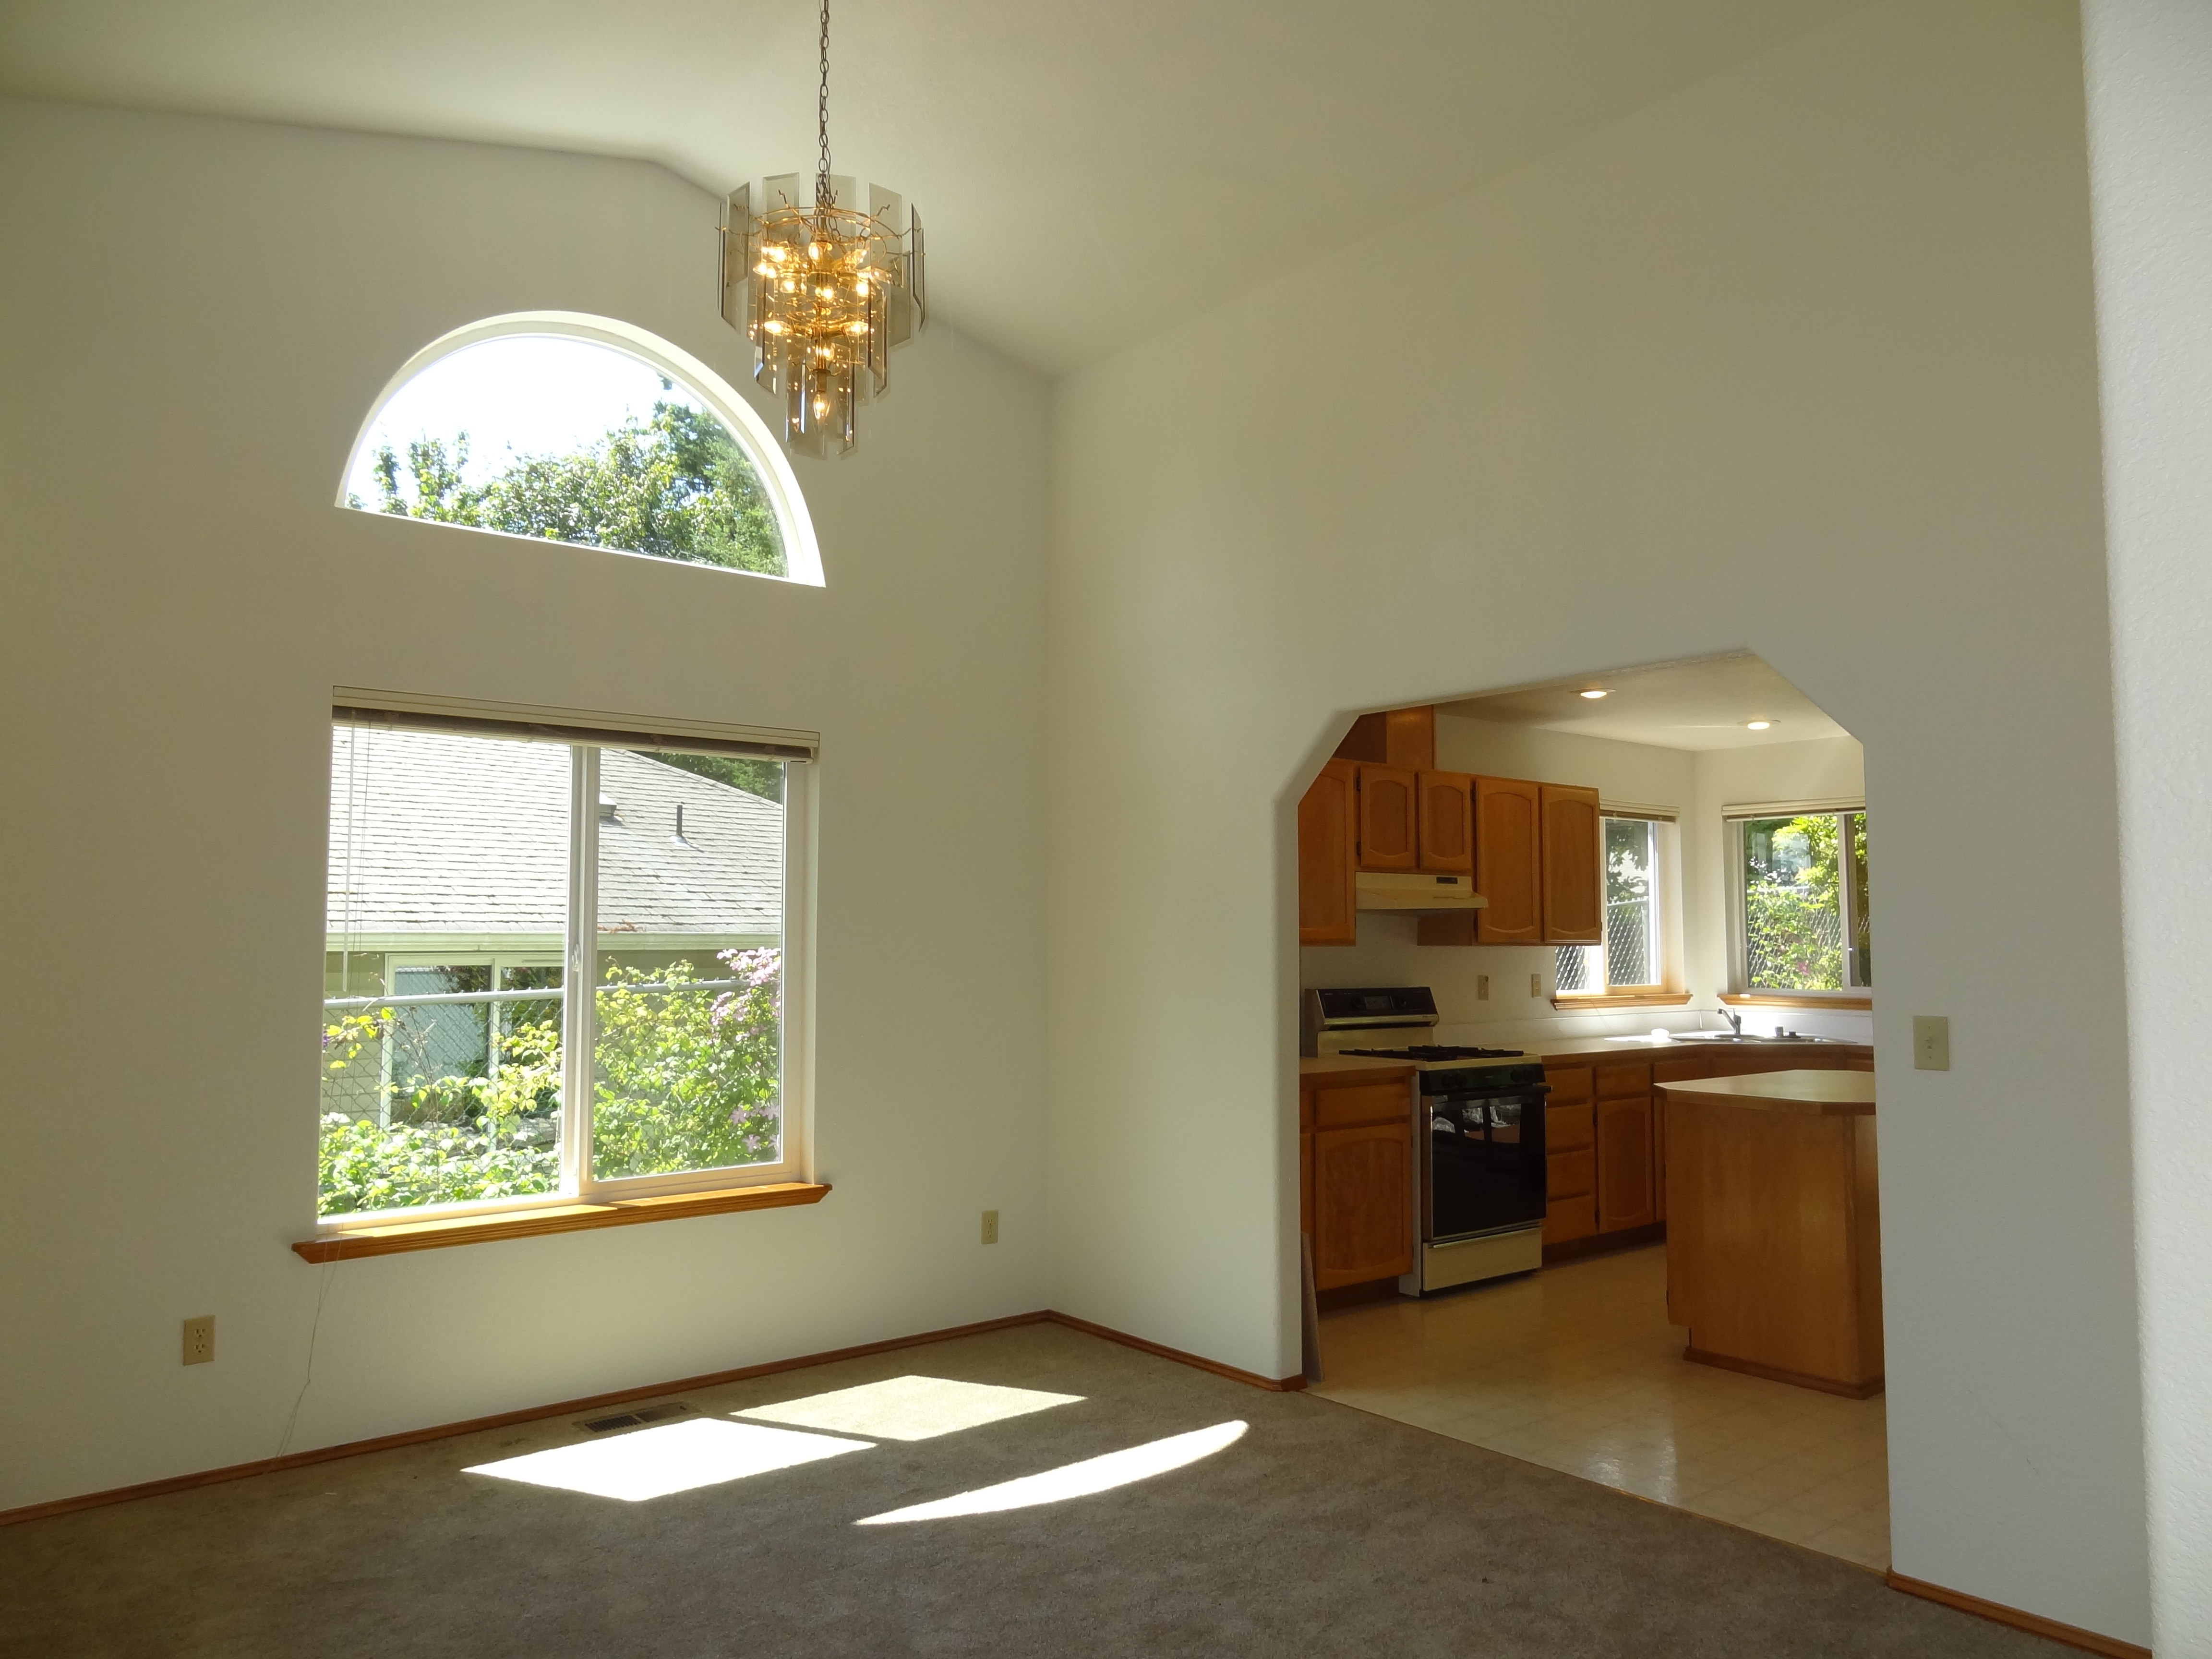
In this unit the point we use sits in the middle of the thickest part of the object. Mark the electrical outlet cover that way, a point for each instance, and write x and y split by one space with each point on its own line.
1931 1042
199 1341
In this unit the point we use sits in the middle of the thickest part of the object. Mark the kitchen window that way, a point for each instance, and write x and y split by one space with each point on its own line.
1801 901
1633 957
560 963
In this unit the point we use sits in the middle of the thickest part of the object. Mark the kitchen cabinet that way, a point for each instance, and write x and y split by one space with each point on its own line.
1447 822
1388 819
1356 1177
1398 737
1509 862
1664 1071
1363 1204
1625 1186
1569 1155
1573 864
1328 833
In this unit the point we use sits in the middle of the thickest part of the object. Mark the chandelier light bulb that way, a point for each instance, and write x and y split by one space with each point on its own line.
823 343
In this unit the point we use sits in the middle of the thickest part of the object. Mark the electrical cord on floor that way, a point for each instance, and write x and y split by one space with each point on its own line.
314 1331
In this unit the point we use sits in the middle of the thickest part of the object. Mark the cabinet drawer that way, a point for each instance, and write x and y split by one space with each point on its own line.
1566 1127
1619 1082
1569 1084
1682 1070
1569 1218
1569 1175
1368 1103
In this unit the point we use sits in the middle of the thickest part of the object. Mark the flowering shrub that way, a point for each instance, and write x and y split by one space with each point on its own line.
686 1080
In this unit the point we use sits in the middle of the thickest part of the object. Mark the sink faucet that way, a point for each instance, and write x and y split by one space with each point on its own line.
1735 1020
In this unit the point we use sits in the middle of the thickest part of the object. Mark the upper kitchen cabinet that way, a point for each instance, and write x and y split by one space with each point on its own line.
1389 836
1509 862
1398 737
1328 832
1573 866
1447 822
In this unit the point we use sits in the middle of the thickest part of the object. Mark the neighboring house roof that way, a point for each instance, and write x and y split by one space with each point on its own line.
450 835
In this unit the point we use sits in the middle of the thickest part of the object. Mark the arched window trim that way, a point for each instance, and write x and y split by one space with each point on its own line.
802 554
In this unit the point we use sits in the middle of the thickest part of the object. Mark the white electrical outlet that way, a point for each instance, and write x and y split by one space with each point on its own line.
990 1226
1931 1042
1482 988
199 1341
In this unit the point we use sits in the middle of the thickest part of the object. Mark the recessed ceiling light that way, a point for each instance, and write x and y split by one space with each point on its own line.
1757 725
1594 696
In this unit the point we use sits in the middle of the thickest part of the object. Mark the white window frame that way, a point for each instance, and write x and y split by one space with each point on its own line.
1667 909
802 552
577 994
1740 982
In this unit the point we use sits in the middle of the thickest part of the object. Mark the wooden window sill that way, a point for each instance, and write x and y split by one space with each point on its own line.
481 1227
1784 1000
1624 999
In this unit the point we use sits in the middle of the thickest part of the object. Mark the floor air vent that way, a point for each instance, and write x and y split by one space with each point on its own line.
632 1419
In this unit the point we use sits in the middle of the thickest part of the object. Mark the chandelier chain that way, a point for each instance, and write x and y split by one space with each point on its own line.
823 195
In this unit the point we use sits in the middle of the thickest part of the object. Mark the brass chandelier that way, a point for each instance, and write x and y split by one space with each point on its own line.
824 292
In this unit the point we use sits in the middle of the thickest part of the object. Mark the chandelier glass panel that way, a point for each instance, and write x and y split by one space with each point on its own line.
824 291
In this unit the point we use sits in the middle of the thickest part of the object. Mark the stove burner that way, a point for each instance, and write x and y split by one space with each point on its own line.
1437 1051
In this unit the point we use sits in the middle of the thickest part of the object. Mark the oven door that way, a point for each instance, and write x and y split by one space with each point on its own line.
1482 1163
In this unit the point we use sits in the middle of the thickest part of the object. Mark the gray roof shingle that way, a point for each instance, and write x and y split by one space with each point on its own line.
434 833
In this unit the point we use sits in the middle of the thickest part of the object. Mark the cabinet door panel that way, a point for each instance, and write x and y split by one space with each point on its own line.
1631 1078
1573 866
1569 1083
1567 1127
1329 829
1623 1164
1388 837
1363 1204
1508 861
1447 822
1566 1219
1569 1175
1367 1103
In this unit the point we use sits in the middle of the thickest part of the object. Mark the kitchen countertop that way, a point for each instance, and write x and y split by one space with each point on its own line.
1829 1094
1641 1046
1330 1065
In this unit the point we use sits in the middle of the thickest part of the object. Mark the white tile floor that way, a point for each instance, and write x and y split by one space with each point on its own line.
1576 1368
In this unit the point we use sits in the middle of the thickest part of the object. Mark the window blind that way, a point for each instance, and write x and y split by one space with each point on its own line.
413 711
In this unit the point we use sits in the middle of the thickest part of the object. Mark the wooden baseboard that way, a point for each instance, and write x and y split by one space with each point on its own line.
1628 1238
1865 1390
2088 1640
621 1396
1251 1379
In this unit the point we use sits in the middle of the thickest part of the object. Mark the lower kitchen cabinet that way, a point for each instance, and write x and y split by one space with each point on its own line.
1356 1176
1363 1204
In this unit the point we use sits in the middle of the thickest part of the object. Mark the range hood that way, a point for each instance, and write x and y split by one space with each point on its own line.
1386 891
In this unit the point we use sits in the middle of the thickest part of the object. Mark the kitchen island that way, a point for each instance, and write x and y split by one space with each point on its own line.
1773 1226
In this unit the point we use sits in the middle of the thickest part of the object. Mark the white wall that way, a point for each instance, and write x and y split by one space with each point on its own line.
2150 130
1697 786
200 315
1799 362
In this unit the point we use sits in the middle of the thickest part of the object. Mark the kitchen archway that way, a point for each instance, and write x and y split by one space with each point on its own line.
1586 1116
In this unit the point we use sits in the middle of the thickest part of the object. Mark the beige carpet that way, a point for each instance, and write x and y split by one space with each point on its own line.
1322 1531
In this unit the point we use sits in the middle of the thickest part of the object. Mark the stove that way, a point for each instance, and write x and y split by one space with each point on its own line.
1479 1120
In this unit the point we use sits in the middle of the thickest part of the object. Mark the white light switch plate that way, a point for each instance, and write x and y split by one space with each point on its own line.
1931 1042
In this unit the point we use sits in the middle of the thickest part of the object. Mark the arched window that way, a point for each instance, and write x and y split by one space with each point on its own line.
583 429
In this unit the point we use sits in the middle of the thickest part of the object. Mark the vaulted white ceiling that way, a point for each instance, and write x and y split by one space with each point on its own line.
1090 174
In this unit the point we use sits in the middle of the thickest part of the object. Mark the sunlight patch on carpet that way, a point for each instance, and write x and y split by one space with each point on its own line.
1092 1475
909 1407
680 1457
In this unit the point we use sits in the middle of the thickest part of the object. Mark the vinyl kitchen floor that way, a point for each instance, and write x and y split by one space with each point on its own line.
1576 1368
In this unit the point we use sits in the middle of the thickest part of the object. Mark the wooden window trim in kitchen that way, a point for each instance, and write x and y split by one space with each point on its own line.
480 1227
1653 998
1840 1000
